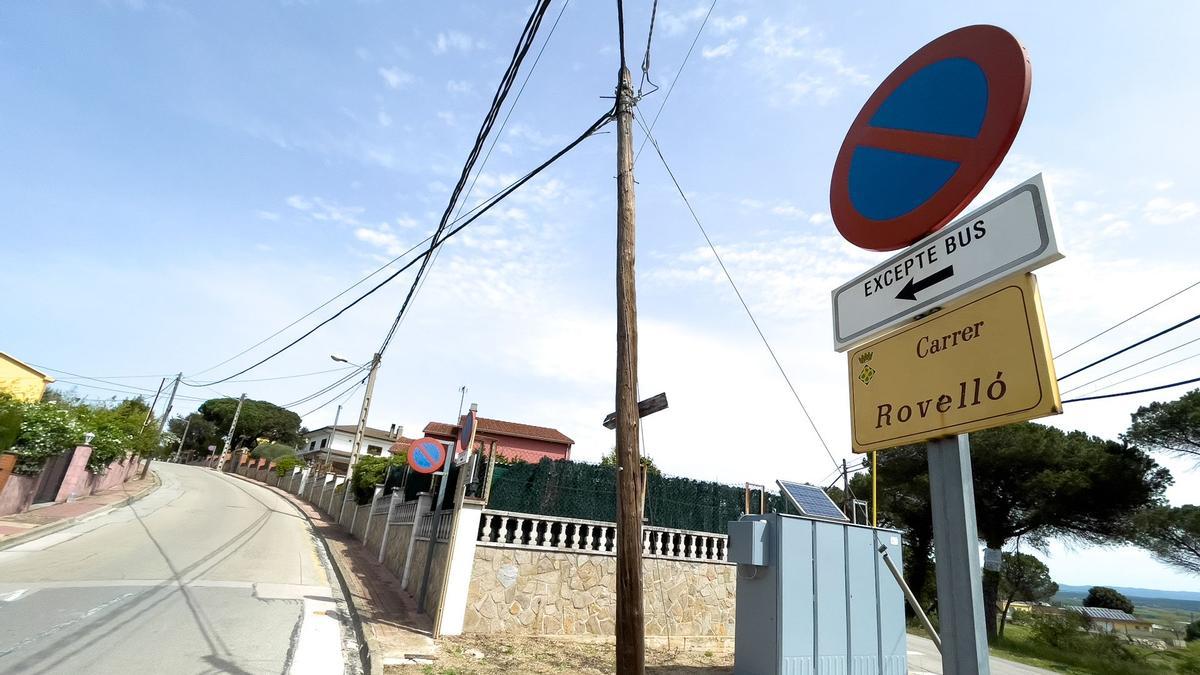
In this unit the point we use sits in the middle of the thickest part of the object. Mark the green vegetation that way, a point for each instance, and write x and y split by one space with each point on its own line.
36 431
1171 534
1058 643
370 471
258 419
284 465
1193 630
272 451
1172 427
1023 577
1103 596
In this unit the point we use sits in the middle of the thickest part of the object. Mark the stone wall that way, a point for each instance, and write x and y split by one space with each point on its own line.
516 590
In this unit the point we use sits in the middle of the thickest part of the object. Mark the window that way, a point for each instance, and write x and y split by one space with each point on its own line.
324 441
374 450
312 446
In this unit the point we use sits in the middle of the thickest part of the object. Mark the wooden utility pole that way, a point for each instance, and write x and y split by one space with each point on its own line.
162 424
229 438
631 654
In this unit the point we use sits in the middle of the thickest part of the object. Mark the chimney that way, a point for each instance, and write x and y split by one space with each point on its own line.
475 408
392 432
399 430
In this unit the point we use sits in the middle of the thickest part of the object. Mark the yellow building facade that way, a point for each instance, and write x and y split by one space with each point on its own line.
21 380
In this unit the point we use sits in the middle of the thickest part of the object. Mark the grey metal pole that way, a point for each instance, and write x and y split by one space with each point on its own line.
162 424
183 438
956 540
362 422
433 530
229 438
908 594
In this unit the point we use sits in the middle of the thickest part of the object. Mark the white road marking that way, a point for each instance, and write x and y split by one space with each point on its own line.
319 645
15 595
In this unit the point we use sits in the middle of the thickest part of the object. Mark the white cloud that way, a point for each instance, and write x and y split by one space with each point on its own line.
395 77
722 25
459 87
792 59
1164 185
788 210
676 23
1167 211
267 215
529 135
323 210
447 117
724 49
456 40
362 53
381 237
385 120
819 218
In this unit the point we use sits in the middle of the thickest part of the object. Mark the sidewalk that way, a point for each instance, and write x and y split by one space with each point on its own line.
22 527
395 631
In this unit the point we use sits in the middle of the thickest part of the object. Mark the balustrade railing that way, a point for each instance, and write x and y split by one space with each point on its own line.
527 530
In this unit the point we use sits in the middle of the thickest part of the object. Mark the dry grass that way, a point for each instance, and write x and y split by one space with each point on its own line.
514 655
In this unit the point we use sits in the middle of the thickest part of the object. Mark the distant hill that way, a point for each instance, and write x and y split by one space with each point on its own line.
1187 601
1138 592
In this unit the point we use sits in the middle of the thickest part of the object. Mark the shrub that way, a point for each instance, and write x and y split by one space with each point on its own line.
47 429
370 471
1065 631
284 465
1193 630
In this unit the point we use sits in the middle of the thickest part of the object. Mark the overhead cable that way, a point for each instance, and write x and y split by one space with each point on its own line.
1130 318
1143 341
1132 365
738 293
496 199
1135 391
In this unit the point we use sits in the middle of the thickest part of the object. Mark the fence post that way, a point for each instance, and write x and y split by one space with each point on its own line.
387 521
464 533
424 501
371 513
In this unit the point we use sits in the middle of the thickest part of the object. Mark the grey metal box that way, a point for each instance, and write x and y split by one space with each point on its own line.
824 602
748 542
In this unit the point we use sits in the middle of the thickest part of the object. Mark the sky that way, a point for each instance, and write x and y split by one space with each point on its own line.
182 180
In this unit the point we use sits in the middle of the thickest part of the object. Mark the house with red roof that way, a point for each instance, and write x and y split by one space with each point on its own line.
514 441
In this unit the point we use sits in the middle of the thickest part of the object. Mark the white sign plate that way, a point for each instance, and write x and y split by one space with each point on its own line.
1010 234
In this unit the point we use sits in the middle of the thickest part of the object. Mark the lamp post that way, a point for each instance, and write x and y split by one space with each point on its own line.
362 418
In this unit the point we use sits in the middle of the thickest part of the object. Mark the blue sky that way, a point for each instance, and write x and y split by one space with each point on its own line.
180 180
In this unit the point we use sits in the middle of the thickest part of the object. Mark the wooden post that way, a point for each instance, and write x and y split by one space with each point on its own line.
631 657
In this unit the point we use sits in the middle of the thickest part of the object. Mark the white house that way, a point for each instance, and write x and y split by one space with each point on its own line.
333 445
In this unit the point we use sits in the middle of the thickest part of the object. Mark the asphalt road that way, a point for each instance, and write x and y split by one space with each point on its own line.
208 574
924 659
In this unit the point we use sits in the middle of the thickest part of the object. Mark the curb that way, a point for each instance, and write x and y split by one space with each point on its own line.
51 528
342 589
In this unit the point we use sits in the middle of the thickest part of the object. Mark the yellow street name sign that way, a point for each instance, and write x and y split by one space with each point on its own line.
981 362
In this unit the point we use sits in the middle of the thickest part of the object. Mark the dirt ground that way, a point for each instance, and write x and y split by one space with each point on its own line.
508 655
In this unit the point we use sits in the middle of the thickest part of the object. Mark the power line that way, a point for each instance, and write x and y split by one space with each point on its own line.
1141 375
343 396
326 389
1160 333
671 87
646 58
315 309
621 29
1136 391
1128 319
524 43
126 392
737 292
1132 365
292 377
95 379
496 199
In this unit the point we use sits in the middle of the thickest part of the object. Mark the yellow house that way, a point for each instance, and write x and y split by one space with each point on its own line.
20 380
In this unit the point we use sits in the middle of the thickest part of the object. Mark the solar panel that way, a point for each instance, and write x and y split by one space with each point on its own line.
811 500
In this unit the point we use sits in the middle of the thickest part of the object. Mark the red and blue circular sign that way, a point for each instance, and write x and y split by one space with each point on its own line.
929 138
466 436
426 455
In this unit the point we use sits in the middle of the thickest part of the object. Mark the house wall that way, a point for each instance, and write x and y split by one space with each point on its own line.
539 592
18 382
525 449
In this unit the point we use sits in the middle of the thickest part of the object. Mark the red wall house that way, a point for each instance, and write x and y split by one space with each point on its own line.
513 440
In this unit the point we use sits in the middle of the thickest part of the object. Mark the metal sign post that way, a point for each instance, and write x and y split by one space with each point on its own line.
960 589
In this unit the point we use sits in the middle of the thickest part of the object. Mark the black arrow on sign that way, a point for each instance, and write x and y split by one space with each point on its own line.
910 290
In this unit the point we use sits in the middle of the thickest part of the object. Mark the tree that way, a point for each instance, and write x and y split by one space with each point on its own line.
1172 534
120 431
1172 427
610 459
258 419
1025 578
1103 596
1193 630
201 434
1038 482
1033 482
371 470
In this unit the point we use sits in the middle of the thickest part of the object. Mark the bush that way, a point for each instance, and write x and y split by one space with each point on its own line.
285 465
1065 631
47 429
1193 630
370 471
